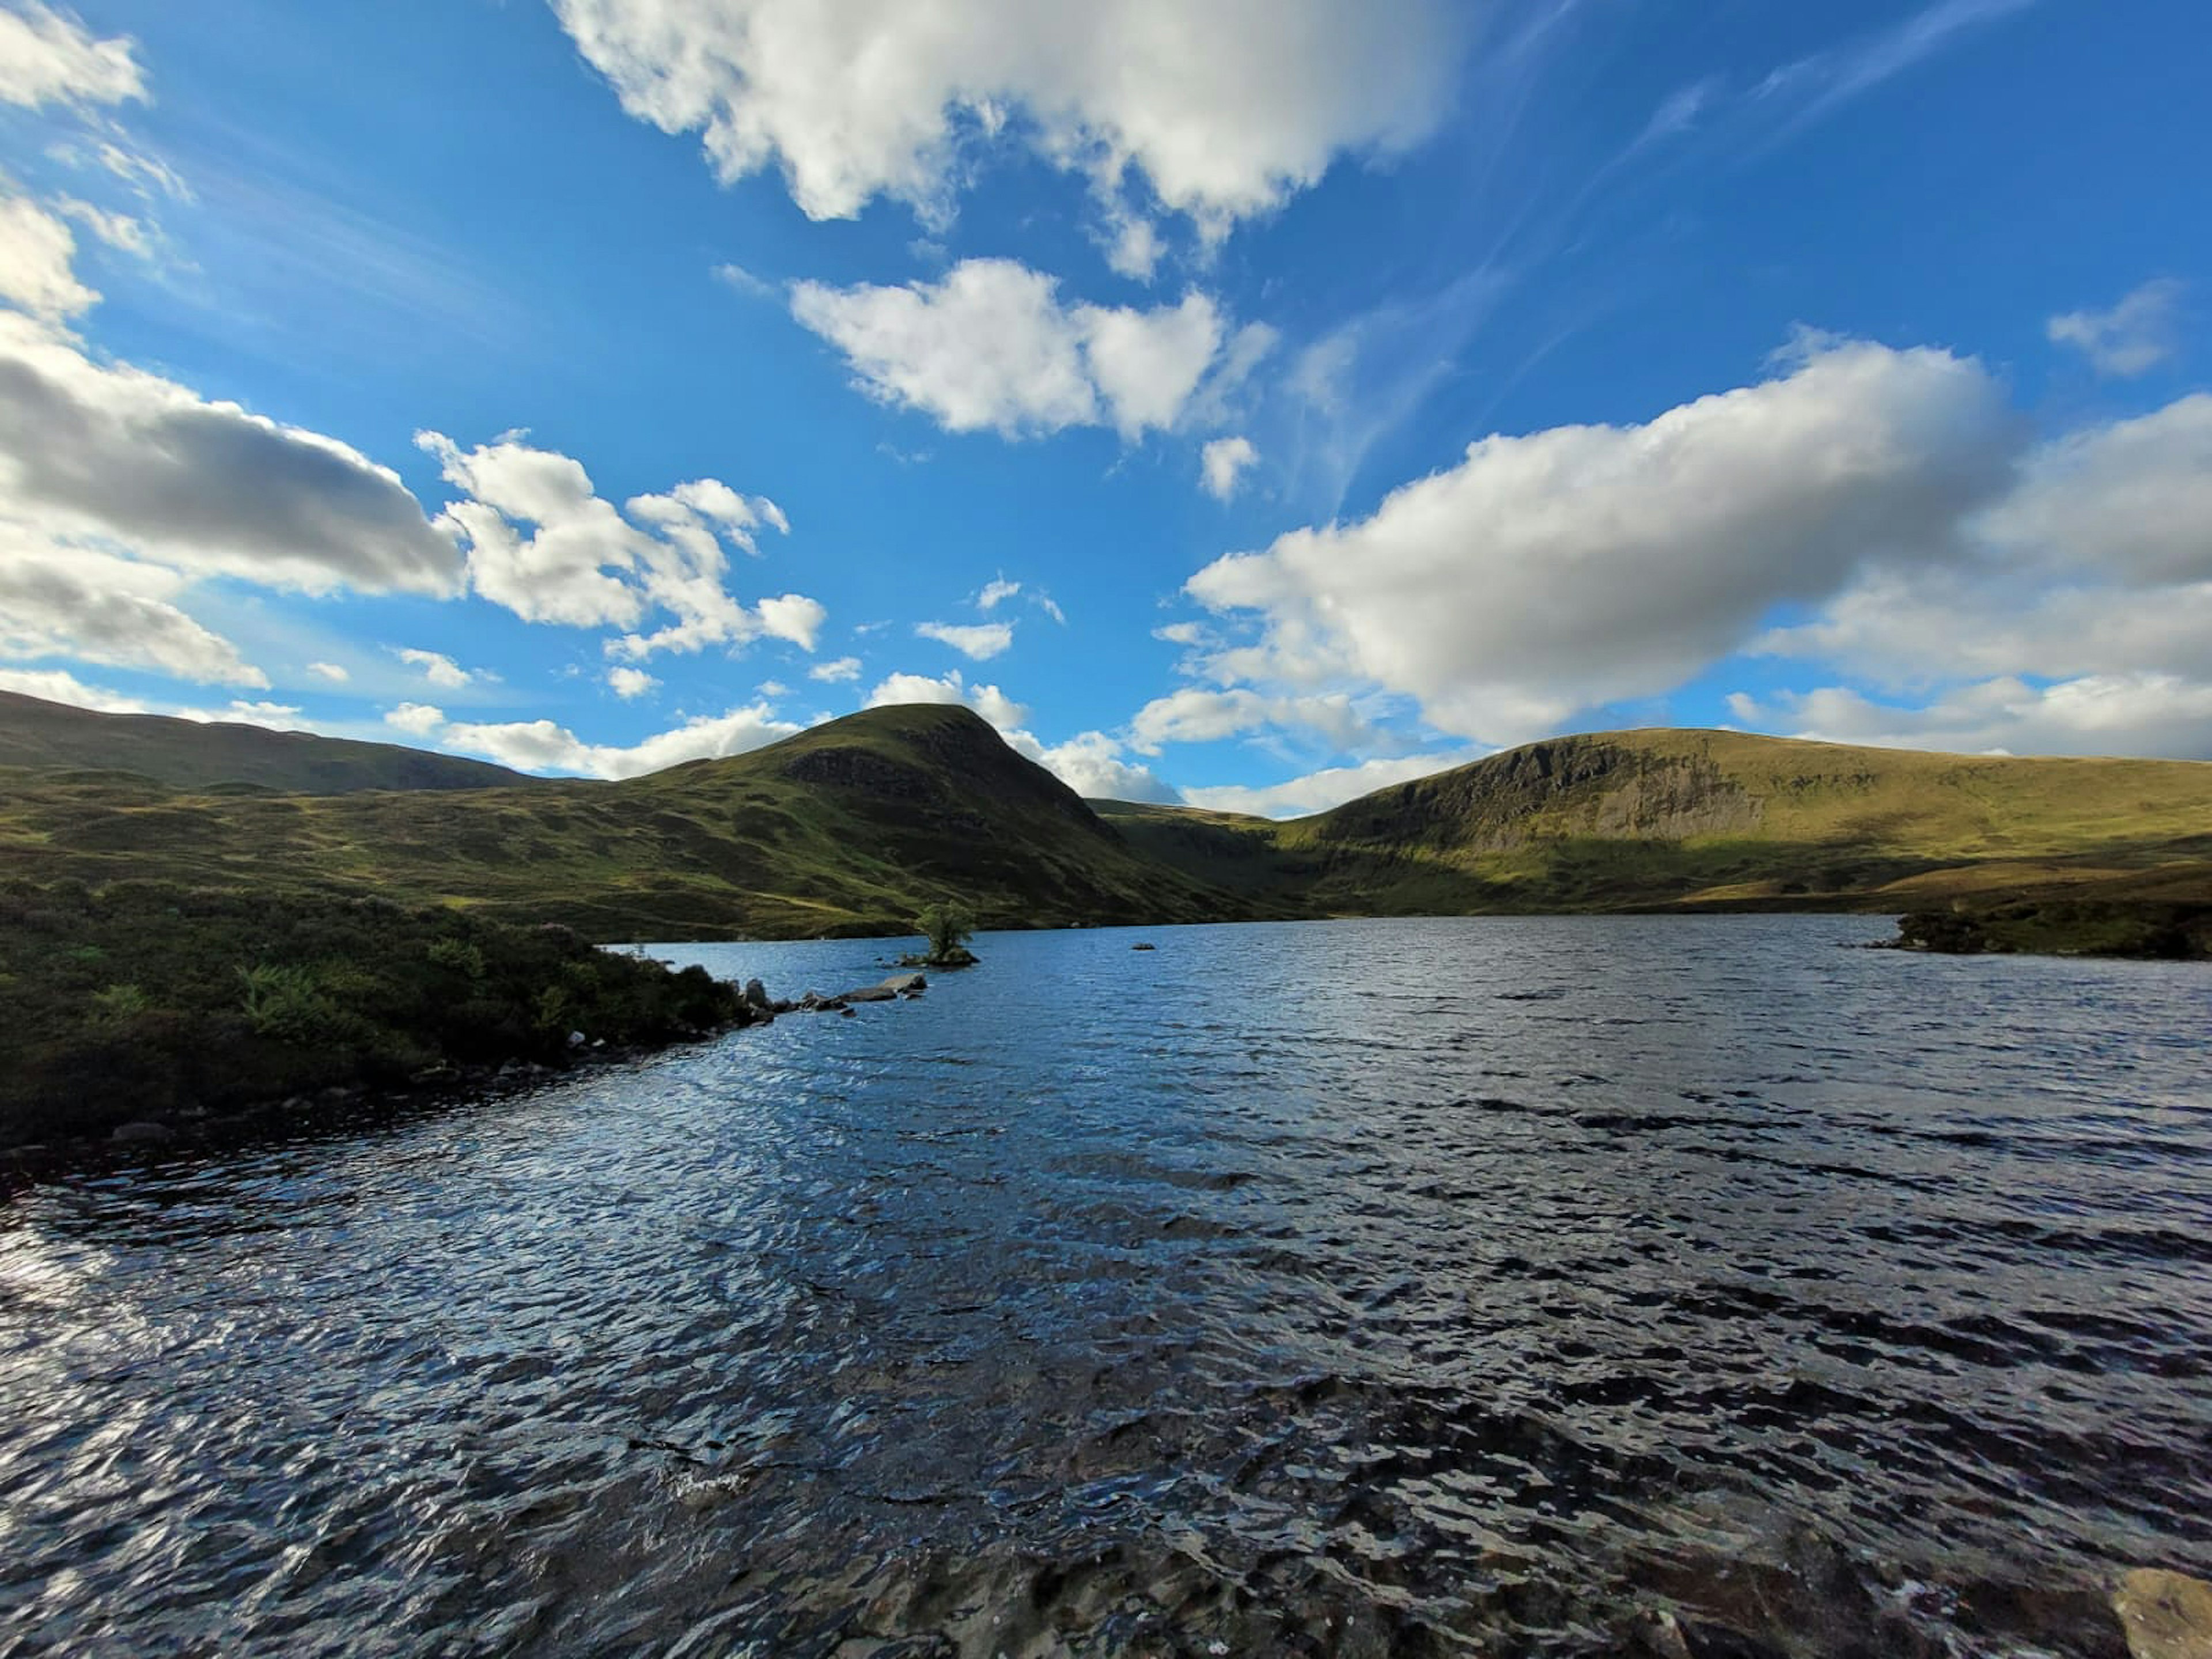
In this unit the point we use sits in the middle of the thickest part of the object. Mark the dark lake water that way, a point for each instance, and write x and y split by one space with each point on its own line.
1390 1287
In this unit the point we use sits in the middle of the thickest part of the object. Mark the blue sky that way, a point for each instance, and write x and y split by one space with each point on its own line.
1248 403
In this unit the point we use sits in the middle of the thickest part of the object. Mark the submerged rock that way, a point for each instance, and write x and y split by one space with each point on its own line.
2165 1615
143 1134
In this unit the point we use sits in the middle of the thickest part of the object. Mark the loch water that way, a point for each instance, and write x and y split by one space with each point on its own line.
1476 1285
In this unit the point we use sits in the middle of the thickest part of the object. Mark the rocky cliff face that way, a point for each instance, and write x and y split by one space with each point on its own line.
1572 786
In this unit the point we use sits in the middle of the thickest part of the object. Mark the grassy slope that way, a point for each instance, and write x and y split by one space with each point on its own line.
1714 819
851 827
194 755
848 827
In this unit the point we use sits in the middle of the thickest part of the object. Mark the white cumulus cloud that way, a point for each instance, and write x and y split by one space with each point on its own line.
1572 567
993 704
542 542
1223 463
59 686
2148 714
841 668
979 640
418 719
991 347
1222 110
95 450
1202 715
94 606
1317 792
2135 336
628 683
38 260
48 57
2096 566
541 745
438 669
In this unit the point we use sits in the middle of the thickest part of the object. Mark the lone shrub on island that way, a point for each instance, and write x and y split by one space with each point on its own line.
947 925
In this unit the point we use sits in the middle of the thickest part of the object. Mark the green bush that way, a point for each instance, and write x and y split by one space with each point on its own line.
287 1004
460 955
120 1002
947 925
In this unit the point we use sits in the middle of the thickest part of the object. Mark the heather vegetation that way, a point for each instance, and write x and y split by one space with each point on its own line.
140 1001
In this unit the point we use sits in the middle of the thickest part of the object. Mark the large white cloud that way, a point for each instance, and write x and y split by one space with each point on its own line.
93 449
2141 712
48 57
1573 567
542 542
90 605
1225 108
543 746
2096 565
991 347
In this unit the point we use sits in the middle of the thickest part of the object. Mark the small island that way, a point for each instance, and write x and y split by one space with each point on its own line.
2169 932
947 925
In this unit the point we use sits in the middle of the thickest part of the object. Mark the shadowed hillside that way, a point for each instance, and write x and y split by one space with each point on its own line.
197 755
847 828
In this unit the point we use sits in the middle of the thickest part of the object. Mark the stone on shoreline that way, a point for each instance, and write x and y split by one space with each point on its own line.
2165 1615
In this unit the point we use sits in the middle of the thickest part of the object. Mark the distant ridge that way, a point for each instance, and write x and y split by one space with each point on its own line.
1671 818
851 827
848 827
195 755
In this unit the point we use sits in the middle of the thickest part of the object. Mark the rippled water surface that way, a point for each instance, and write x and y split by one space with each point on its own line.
1331 1288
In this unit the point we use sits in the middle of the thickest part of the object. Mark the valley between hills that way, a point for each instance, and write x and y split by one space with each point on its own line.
851 827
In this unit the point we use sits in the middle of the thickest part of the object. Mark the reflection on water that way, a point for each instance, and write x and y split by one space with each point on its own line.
1333 1288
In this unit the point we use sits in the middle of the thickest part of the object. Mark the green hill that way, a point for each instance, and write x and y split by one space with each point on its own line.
1669 818
198 755
848 827
851 827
